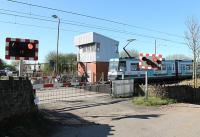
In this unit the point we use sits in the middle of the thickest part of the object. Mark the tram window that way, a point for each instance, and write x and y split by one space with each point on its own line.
134 66
122 66
169 67
163 67
183 67
188 67
173 67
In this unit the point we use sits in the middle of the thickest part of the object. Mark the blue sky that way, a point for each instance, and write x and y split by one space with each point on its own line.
165 16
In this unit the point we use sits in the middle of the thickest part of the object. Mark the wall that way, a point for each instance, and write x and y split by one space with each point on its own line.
94 70
181 93
16 97
102 67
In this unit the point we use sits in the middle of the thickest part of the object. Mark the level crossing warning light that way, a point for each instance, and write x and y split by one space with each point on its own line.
150 61
30 46
21 49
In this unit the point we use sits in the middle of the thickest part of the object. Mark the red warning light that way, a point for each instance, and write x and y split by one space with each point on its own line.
30 46
155 59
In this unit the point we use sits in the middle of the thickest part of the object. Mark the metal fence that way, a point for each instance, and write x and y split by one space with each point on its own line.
67 94
122 88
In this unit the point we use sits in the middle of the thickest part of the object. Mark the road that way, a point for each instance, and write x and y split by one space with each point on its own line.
108 117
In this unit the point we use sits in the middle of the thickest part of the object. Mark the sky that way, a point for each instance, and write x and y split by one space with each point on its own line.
148 20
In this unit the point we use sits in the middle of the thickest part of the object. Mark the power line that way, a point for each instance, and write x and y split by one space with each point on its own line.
99 28
36 26
51 28
97 18
47 17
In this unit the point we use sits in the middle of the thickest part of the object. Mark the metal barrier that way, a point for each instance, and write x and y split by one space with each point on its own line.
67 94
122 88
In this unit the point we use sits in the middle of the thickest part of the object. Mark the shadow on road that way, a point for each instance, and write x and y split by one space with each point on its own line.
100 130
84 105
71 125
149 116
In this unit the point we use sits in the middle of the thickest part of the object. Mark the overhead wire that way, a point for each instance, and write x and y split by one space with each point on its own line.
96 18
94 27
52 28
37 26
68 30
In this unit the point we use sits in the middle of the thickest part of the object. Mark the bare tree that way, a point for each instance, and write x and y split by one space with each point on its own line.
177 57
192 36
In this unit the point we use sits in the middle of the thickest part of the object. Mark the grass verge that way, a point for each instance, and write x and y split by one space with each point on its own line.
152 101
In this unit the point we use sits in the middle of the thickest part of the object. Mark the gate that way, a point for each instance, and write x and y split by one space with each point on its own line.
69 94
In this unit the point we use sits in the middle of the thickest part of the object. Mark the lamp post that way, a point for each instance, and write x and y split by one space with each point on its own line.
56 17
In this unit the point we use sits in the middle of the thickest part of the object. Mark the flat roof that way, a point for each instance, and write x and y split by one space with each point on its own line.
90 37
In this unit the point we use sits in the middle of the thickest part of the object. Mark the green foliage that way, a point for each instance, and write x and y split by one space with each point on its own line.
4 65
66 62
152 101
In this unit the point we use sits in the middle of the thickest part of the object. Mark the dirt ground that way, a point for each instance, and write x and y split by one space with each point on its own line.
107 117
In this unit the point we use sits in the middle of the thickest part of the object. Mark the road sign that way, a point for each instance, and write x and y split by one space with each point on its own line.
21 49
150 61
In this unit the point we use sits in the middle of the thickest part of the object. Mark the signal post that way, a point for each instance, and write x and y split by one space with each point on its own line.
149 62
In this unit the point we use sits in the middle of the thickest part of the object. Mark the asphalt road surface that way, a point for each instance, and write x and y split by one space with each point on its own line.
103 116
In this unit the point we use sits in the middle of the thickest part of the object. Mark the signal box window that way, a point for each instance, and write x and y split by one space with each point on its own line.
116 48
97 47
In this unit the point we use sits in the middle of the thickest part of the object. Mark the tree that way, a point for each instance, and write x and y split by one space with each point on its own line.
192 36
66 62
133 53
177 57
4 65
15 63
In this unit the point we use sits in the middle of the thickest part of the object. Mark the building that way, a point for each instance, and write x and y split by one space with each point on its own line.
94 53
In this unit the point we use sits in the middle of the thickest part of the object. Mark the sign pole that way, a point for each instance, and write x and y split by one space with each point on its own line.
146 85
20 68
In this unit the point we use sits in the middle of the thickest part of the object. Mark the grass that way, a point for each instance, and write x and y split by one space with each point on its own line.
152 101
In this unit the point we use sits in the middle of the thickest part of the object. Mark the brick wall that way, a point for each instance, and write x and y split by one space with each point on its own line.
16 97
96 69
